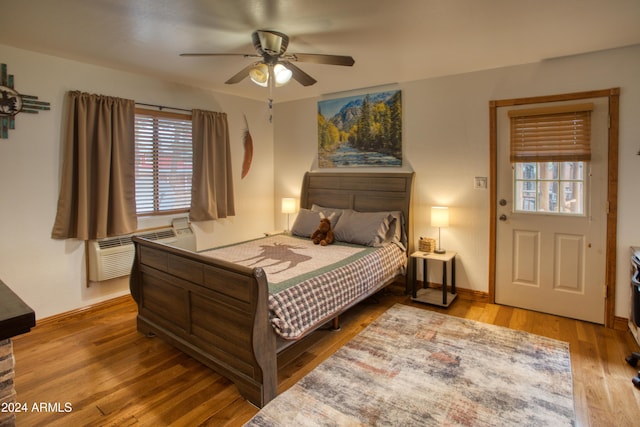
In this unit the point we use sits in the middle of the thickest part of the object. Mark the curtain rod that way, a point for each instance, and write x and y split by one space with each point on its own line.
160 107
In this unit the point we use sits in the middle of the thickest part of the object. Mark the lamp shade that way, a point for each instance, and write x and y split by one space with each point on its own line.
288 205
282 74
260 74
439 216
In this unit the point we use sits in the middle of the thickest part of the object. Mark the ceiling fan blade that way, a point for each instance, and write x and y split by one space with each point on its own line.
301 77
237 78
317 58
246 55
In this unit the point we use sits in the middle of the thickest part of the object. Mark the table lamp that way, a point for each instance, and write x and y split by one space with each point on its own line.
439 218
288 207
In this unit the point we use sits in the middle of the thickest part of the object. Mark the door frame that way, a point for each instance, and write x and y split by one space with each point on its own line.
613 95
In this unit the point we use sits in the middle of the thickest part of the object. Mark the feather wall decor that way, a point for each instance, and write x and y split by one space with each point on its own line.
248 149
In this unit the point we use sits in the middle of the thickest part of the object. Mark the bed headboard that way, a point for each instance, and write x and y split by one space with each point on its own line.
364 192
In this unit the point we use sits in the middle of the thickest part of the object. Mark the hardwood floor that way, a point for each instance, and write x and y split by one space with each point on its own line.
111 375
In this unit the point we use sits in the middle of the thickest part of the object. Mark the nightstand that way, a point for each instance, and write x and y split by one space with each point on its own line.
429 295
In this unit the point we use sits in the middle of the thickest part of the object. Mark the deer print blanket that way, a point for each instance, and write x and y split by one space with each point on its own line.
309 283
287 260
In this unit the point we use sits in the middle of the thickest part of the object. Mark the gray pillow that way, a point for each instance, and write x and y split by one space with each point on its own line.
397 229
306 223
365 228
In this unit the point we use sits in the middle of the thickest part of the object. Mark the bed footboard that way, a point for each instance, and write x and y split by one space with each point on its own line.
216 312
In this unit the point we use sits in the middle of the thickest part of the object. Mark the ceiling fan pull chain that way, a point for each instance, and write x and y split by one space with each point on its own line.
272 83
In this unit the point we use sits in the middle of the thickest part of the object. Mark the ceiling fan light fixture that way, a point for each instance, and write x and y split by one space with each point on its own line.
275 68
260 74
282 74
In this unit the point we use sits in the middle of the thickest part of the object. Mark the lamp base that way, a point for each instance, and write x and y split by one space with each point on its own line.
440 251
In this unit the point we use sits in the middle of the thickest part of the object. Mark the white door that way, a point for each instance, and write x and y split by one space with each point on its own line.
550 255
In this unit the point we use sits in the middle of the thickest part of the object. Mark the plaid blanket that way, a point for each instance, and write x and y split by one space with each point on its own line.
309 284
296 309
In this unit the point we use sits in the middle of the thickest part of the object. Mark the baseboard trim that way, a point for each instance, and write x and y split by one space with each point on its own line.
83 311
620 323
471 295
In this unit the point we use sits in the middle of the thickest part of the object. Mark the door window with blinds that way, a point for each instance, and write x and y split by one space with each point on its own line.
163 162
550 148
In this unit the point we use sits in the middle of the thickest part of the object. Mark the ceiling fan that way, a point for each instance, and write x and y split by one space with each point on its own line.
276 66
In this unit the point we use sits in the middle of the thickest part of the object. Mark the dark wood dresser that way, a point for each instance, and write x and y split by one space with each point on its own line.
16 318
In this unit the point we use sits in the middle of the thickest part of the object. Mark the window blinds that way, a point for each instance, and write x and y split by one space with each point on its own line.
558 133
164 162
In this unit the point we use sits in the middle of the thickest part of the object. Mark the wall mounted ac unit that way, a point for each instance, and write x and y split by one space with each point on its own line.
113 256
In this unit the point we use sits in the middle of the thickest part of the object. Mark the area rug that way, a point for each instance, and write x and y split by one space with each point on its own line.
413 367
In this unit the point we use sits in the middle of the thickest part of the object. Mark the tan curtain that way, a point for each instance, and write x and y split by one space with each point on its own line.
97 189
212 186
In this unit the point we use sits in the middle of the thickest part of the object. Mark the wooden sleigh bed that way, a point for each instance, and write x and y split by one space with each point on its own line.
218 311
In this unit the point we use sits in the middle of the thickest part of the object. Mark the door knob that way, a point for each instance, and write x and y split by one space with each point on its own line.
503 217
502 202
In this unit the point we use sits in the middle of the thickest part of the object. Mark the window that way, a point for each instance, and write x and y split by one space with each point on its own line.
163 162
549 187
549 148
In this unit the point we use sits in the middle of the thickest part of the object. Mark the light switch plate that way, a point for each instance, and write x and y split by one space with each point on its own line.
480 182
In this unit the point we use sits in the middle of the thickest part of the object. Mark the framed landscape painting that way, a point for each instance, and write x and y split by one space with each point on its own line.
361 131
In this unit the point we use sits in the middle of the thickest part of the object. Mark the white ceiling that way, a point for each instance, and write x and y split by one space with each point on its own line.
391 41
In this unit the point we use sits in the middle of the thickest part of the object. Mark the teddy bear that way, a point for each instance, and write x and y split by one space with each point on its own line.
324 234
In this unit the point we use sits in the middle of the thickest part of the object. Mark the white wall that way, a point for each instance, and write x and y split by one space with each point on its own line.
446 142
50 275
